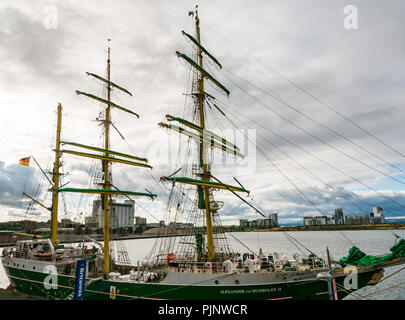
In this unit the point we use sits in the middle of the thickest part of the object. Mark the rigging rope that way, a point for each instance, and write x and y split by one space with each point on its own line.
286 177
318 123
299 243
310 94
385 289
319 159
312 135
243 244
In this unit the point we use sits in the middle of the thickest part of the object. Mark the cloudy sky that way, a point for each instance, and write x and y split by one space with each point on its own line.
316 93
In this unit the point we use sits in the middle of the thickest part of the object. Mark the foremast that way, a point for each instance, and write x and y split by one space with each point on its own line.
54 183
56 174
107 157
204 137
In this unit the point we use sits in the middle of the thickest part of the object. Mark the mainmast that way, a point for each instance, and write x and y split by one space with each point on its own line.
106 164
203 136
203 153
56 166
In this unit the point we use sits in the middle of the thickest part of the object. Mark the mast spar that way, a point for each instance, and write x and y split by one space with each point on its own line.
107 157
106 170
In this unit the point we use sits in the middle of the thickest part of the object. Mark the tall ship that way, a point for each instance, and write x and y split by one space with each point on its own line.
199 264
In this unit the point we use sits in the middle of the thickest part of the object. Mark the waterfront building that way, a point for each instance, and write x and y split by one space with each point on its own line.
243 223
339 217
273 217
152 225
121 214
140 224
272 221
180 225
358 219
91 222
159 224
377 216
318 221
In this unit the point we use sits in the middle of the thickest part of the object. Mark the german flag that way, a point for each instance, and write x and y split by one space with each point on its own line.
25 161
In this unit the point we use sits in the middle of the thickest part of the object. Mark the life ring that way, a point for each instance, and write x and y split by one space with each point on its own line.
171 257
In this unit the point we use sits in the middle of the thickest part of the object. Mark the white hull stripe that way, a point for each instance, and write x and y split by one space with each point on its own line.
117 294
92 291
283 298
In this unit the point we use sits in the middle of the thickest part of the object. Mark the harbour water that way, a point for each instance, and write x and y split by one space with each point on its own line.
374 242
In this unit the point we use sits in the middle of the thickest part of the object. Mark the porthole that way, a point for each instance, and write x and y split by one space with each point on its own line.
216 282
237 281
33 268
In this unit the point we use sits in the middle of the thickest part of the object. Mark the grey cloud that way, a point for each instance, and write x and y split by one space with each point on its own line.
359 73
14 180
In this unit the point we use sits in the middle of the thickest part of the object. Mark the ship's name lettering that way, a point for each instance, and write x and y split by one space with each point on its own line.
232 291
241 291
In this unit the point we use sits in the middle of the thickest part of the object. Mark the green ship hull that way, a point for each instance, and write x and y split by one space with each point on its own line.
32 283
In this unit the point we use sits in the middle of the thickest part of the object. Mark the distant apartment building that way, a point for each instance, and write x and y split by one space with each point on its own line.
121 214
243 223
273 217
319 221
91 222
339 217
140 224
358 219
180 225
377 216
159 224
66 222
272 221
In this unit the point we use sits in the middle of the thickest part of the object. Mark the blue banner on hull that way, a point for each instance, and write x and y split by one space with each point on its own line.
80 279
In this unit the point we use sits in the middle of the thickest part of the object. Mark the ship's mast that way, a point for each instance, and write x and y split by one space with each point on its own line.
205 138
203 153
56 166
108 156
106 164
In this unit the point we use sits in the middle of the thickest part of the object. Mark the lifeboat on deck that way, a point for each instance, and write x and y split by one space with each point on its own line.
46 255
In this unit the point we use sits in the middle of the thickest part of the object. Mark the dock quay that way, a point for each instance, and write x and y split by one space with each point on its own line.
15 295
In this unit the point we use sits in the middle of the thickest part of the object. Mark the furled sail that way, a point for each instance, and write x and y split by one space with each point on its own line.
96 156
202 48
109 82
108 191
202 138
104 150
112 104
206 74
203 183
204 131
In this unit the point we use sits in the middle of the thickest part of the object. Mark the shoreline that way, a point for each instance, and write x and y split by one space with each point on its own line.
387 226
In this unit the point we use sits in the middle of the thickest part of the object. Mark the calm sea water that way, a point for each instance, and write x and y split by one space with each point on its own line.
373 242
